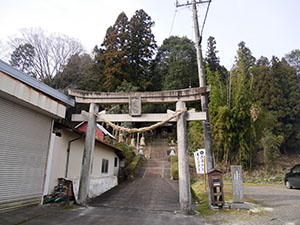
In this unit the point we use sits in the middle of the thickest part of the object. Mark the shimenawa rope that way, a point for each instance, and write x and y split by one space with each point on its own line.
142 129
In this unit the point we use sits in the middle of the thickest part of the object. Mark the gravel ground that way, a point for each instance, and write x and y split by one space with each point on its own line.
276 206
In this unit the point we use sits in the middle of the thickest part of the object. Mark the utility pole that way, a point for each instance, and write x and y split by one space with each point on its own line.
202 83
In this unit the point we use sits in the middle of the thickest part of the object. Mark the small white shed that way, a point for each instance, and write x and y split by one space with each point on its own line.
66 159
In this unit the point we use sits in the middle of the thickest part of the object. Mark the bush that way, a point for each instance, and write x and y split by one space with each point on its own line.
174 167
133 167
128 151
271 144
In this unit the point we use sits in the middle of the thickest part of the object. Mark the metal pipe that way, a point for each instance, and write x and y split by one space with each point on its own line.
68 154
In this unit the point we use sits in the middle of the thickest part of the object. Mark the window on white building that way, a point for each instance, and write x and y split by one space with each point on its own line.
104 166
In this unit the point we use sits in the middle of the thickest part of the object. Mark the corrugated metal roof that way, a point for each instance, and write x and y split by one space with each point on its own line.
118 151
105 131
34 83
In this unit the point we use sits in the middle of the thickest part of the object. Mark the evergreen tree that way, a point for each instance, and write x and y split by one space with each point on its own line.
293 58
95 77
115 53
216 77
276 91
212 62
287 104
242 101
74 74
142 47
176 65
126 53
23 58
219 111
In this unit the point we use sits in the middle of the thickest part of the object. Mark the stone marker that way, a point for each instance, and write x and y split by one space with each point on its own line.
237 184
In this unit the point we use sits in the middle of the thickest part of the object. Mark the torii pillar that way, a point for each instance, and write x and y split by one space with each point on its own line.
185 199
87 155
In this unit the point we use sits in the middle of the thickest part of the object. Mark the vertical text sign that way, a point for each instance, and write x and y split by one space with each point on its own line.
200 161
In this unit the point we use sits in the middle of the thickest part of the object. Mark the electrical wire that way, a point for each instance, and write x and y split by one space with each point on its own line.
205 18
173 21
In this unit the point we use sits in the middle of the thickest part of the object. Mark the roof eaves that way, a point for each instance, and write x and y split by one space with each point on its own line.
118 151
23 77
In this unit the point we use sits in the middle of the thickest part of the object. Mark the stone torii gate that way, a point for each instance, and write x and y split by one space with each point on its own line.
135 100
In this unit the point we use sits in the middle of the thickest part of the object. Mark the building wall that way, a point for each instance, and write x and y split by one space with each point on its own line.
76 152
27 109
24 140
59 159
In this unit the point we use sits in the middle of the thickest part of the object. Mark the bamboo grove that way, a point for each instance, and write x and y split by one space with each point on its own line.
255 107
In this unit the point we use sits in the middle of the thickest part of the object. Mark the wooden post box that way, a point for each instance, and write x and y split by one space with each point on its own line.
215 180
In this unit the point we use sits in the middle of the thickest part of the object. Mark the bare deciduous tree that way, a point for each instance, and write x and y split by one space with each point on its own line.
52 51
4 51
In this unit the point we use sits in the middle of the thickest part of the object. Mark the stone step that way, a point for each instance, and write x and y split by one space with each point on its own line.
159 147
156 168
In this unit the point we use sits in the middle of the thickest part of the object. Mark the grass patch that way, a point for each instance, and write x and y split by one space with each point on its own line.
199 192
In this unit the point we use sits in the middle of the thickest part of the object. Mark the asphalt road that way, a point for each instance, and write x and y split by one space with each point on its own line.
282 204
151 199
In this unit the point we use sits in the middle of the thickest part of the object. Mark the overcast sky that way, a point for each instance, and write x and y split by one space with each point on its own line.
269 27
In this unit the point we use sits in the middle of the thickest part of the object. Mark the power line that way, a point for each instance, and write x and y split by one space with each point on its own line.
190 3
173 21
205 18
198 2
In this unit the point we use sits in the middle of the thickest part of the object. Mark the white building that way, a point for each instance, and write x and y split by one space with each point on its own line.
32 156
27 112
65 161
